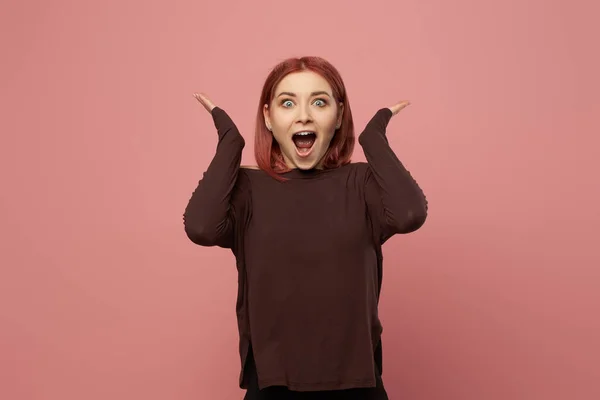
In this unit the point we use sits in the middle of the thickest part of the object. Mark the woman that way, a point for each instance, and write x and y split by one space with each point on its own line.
306 227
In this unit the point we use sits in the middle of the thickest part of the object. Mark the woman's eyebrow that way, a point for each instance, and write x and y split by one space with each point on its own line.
317 93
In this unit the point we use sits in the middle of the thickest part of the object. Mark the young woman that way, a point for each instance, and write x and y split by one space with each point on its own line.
306 227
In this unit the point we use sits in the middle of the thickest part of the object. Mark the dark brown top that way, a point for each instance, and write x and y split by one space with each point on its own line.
308 254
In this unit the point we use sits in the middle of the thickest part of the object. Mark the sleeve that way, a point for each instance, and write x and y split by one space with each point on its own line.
394 199
209 216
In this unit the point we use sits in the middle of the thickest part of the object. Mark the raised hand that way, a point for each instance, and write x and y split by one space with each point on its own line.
399 106
205 101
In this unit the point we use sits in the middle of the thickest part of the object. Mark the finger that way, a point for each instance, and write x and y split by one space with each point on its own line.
401 105
205 101
396 108
201 98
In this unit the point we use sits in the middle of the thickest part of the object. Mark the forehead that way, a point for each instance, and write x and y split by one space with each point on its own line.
303 82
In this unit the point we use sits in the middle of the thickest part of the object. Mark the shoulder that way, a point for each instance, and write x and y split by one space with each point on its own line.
359 165
360 173
249 173
353 175
360 169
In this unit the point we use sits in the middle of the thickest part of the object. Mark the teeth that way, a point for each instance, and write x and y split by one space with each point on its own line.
304 133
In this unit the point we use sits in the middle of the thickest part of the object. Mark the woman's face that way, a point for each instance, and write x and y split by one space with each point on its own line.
303 117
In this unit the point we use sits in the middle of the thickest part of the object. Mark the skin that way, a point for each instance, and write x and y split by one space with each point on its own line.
303 101
288 114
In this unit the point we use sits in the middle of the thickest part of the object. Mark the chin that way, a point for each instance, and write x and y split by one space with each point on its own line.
305 165
307 161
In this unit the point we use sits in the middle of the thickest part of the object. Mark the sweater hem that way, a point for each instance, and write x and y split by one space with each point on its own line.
318 386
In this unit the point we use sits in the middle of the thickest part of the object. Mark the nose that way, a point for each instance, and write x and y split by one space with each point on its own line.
304 115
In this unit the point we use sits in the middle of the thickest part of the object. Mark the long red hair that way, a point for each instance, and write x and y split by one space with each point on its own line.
266 149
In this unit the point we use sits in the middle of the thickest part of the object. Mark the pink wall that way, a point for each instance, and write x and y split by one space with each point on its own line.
103 297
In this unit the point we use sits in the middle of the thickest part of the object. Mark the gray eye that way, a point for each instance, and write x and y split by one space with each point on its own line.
320 103
287 103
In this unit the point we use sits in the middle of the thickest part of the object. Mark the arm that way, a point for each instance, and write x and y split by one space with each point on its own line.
208 217
393 196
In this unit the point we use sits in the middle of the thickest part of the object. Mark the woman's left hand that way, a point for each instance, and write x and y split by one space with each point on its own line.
399 106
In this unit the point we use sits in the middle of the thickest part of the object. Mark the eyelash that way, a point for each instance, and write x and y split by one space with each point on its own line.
323 100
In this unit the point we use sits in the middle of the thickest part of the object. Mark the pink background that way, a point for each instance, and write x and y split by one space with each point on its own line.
103 297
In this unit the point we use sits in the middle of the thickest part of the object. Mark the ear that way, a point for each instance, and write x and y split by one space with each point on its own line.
340 115
267 116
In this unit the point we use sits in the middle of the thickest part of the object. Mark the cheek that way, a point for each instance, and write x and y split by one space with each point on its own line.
281 122
280 133
327 139
328 126
279 138
329 119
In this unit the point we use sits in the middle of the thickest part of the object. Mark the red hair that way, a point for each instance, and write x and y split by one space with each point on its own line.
266 149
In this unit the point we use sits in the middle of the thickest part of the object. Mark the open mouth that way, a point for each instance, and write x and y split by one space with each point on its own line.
304 142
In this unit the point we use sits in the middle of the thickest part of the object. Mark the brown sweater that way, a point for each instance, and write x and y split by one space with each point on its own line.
308 255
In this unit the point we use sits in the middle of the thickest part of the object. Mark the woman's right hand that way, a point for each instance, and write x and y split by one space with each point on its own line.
205 101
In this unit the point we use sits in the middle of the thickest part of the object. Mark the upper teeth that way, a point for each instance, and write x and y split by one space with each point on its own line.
304 133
